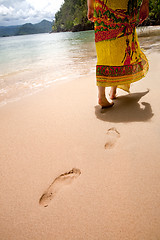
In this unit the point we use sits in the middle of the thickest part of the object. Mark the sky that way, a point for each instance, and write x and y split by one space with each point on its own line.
17 12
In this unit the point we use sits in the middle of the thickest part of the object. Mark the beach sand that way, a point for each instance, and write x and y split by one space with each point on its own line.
116 194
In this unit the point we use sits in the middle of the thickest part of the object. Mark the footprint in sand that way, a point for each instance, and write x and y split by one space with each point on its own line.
58 183
113 135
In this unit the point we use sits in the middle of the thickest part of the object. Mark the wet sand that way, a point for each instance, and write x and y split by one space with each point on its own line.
56 143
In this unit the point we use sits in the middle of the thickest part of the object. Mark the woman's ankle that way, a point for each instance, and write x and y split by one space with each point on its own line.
102 97
113 92
114 89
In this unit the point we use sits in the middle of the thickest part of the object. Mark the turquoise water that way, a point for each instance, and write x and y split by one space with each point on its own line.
33 62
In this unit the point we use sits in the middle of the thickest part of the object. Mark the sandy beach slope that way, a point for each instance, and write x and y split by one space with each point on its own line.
117 194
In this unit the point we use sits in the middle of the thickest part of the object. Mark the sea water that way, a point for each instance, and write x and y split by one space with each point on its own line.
33 62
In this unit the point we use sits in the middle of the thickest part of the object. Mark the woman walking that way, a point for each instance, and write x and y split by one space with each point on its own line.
119 58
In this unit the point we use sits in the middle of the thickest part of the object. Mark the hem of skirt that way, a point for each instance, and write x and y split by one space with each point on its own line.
105 81
118 83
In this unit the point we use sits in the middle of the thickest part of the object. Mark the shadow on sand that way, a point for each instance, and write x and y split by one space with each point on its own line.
126 109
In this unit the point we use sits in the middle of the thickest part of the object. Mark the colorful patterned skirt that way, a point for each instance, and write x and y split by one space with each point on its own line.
119 58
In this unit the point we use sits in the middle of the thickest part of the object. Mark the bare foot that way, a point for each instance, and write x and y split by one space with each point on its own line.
103 102
112 96
58 183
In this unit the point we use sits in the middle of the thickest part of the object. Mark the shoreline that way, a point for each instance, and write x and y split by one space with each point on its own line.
62 127
151 30
148 31
28 81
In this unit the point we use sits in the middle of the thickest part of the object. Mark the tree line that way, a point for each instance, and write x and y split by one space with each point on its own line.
72 16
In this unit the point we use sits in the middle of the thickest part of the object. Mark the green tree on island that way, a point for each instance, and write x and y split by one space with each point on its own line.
72 16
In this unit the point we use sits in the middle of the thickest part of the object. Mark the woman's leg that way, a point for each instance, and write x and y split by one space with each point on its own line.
101 92
102 98
113 92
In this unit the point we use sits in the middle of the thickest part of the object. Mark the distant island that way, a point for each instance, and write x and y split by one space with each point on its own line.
72 16
25 29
